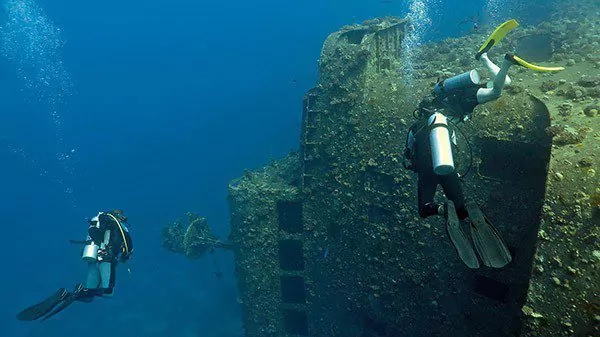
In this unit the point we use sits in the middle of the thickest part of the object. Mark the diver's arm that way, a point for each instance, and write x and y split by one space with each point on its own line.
95 234
409 149
410 144
493 68
489 94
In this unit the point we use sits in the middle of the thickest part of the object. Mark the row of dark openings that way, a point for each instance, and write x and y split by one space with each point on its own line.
291 258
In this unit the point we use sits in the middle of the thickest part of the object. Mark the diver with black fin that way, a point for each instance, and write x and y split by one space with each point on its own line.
108 243
429 146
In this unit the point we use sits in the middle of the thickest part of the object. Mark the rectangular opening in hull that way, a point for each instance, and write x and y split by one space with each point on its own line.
291 257
293 290
290 216
295 322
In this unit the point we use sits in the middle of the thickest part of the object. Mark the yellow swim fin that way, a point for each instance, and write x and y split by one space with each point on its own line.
517 60
496 36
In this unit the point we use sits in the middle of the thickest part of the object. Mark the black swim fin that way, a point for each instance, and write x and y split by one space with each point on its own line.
488 242
39 310
458 237
63 305
68 299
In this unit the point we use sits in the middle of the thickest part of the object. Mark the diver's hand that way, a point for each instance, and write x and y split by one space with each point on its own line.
104 254
101 254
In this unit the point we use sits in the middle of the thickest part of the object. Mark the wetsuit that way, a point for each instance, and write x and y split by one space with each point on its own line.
418 153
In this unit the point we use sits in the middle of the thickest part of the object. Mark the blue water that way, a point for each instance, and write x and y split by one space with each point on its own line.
152 107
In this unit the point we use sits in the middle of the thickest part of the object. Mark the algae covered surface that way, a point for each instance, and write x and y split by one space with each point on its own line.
330 241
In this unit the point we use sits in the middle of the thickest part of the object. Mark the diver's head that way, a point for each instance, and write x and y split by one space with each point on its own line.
118 213
429 105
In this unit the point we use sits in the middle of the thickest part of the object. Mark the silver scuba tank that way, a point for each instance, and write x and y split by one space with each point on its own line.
90 252
464 80
441 145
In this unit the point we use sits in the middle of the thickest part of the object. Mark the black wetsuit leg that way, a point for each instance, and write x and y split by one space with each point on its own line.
453 191
113 278
427 184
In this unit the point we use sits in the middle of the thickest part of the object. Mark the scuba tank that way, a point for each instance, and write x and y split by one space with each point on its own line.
459 94
441 145
450 85
90 252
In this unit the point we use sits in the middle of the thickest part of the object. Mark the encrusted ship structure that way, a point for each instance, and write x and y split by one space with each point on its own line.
328 239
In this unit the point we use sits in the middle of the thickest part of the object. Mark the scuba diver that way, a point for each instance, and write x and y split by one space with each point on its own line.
108 243
429 146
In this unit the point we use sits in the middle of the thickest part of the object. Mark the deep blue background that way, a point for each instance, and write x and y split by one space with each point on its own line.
172 100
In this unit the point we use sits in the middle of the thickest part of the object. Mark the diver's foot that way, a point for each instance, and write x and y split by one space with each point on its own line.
458 237
67 300
78 288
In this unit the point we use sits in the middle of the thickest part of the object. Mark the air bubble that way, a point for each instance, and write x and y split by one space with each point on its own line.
419 17
33 44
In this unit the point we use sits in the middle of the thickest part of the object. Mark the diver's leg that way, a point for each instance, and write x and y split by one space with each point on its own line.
93 276
427 184
489 94
453 191
92 281
493 68
107 275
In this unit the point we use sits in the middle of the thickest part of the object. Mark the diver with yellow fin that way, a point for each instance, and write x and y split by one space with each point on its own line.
108 243
501 79
428 152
